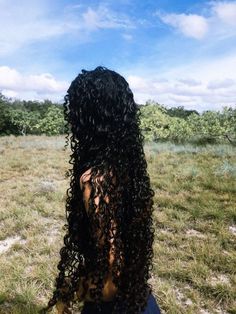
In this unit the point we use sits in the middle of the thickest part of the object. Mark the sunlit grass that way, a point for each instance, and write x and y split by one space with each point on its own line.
194 218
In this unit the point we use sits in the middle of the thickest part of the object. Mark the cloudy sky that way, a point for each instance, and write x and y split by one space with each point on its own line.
173 52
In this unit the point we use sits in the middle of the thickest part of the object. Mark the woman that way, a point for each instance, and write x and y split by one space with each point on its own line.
107 254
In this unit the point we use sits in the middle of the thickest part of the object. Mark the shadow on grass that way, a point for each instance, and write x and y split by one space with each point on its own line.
18 305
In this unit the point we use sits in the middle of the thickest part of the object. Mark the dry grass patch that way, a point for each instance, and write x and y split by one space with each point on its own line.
194 218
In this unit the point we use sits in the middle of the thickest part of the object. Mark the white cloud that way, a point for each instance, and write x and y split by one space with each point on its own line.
181 99
218 84
209 69
9 93
190 82
127 37
200 90
23 23
191 25
44 83
226 11
27 22
40 86
9 78
207 81
102 17
219 24
138 82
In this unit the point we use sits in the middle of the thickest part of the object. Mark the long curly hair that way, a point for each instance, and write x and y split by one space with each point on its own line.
103 128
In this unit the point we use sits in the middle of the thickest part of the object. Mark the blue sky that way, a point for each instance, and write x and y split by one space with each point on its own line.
172 52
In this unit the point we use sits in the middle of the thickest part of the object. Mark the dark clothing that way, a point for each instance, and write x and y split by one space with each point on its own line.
107 306
152 306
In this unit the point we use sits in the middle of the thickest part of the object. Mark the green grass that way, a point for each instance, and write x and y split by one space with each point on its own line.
195 221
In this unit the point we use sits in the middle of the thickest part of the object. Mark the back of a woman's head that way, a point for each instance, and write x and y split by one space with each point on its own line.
100 104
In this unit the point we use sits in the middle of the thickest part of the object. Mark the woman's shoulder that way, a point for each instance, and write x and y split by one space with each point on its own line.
86 176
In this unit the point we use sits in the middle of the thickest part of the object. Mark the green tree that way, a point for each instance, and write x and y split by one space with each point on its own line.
180 130
23 120
53 121
6 126
180 112
154 122
228 123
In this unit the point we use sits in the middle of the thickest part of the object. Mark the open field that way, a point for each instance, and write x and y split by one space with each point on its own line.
195 220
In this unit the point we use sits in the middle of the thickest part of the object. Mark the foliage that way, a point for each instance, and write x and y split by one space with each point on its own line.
6 126
158 123
180 112
154 122
30 117
209 127
23 120
53 121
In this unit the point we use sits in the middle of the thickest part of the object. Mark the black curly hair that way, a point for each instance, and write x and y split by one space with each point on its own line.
103 128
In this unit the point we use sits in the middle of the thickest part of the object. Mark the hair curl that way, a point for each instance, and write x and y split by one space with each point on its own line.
103 127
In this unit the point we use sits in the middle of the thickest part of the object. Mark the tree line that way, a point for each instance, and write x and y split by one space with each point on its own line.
158 123
20 117
179 125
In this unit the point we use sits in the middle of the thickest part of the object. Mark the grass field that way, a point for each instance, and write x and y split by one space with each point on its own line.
195 221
